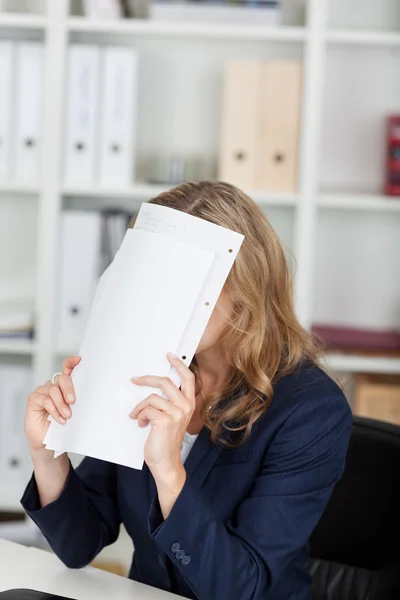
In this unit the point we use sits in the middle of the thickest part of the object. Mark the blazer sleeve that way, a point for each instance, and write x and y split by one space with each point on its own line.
84 518
246 556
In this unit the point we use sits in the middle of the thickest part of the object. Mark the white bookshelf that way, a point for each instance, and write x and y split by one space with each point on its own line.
19 189
361 202
149 28
22 21
146 191
348 363
313 41
17 347
351 79
364 38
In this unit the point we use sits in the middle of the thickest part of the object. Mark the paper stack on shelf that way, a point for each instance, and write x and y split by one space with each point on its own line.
156 297
16 319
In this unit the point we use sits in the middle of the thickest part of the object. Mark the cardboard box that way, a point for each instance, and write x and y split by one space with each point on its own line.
378 397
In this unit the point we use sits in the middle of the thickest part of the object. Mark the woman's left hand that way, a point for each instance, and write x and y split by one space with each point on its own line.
169 420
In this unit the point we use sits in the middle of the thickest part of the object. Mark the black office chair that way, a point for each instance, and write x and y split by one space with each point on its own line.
355 548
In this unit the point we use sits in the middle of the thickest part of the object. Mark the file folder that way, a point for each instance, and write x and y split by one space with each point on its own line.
260 125
240 124
118 117
82 113
29 110
280 102
6 77
80 240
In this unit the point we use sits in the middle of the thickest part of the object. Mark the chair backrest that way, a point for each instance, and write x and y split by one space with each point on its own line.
355 548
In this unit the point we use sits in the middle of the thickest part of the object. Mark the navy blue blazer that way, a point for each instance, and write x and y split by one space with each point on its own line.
239 529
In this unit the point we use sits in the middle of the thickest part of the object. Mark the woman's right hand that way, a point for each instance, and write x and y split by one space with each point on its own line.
48 400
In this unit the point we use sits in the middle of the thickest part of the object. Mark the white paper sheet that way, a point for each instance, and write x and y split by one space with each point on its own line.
151 300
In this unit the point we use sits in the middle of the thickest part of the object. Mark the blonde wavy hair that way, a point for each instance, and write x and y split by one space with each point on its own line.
263 341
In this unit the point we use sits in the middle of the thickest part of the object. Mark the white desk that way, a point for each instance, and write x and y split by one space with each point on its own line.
22 567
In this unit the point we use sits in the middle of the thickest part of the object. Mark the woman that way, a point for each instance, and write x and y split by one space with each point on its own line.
226 515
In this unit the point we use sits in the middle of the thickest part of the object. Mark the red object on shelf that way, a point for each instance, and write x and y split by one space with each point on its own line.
347 338
392 187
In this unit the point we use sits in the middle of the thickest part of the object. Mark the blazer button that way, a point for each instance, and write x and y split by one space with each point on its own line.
175 547
180 554
186 560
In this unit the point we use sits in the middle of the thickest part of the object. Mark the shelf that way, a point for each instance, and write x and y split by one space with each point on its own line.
140 191
364 38
148 27
365 202
18 188
22 21
10 500
351 363
21 347
146 191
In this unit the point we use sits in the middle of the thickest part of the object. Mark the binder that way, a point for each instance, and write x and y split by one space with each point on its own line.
6 57
260 125
28 106
280 102
118 116
80 238
82 113
240 122
15 386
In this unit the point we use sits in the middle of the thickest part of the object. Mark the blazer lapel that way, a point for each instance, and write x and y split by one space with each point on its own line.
202 457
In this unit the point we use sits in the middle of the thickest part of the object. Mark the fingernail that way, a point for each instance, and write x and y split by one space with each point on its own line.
66 412
62 420
171 355
70 398
134 378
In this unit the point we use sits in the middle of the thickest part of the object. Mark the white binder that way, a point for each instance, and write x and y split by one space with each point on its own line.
118 117
15 386
6 57
80 238
29 109
82 113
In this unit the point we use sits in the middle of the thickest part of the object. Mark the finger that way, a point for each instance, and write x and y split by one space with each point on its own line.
51 408
59 402
161 404
188 378
40 402
69 364
44 389
162 383
64 382
149 413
